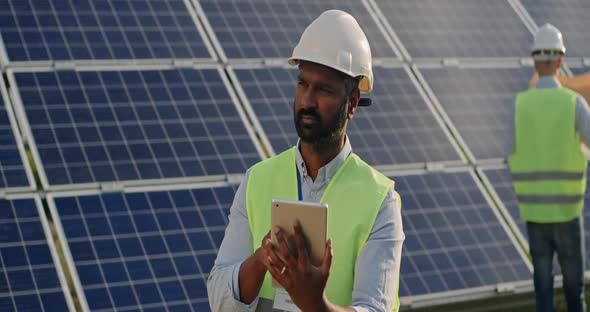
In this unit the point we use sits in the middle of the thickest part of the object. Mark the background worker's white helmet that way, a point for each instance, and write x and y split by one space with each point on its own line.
336 40
548 45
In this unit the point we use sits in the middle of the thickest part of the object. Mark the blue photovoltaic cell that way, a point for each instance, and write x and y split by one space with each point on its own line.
130 125
454 241
398 128
271 28
28 274
480 103
12 171
457 28
146 249
576 71
501 181
39 30
570 16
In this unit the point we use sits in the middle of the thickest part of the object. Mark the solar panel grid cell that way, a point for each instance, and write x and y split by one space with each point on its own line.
270 29
29 280
145 249
457 28
12 170
480 103
454 240
134 125
104 30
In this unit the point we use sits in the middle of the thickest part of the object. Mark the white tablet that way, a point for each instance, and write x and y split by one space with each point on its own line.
314 223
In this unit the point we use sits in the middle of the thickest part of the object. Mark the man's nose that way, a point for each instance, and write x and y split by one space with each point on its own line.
307 99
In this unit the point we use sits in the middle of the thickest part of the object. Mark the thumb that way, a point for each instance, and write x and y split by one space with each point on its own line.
327 260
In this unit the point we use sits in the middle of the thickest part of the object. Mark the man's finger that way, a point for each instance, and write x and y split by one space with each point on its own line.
327 260
302 255
266 236
270 256
285 252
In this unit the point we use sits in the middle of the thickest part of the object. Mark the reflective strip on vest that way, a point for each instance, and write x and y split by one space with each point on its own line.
549 199
547 175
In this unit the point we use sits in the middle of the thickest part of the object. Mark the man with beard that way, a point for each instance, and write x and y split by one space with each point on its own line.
360 268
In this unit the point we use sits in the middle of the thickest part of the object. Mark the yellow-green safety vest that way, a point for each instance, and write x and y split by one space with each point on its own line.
547 165
354 196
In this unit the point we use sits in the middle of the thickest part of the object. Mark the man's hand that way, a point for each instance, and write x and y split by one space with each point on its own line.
252 273
304 279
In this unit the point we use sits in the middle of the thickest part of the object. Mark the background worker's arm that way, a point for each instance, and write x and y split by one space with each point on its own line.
223 285
583 120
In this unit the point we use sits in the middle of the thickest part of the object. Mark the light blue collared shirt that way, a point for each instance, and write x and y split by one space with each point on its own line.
376 270
582 114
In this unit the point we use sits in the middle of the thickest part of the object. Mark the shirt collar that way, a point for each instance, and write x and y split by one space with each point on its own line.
547 82
328 170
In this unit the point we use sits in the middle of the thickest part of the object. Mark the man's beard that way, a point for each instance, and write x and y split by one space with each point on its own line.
322 134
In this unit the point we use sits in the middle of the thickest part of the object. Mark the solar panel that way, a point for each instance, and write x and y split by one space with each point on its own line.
143 249
29 279
455 240
479 102
457 28
576 71
13 173
39 30
569 16
271 28
501 182
398 129
105 126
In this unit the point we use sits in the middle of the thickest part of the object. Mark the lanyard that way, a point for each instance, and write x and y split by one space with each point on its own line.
299 194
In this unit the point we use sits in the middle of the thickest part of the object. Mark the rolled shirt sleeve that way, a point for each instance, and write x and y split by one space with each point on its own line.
376 279
223 284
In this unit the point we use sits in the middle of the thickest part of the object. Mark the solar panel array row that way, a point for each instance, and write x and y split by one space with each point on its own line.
149 29
143 124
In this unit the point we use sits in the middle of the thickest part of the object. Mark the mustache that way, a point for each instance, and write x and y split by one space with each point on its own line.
307 112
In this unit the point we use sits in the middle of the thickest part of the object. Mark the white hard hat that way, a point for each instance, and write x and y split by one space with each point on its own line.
548 45
336 40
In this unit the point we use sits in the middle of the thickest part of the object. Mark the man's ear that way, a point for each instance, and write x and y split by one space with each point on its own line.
353 100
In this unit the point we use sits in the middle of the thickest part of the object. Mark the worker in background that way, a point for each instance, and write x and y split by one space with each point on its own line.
549 172
360 269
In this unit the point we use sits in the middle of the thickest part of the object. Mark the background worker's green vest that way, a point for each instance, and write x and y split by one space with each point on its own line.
548 168
354 197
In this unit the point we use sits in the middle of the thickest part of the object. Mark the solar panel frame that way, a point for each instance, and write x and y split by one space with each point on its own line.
224 58
5 60
492 64
231 69
409 57
27 131
19 144
473 293
142 189
50 243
